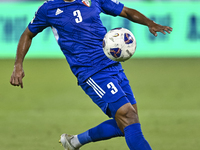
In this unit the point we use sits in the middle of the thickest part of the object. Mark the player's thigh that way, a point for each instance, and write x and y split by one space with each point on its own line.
104 90
127 88
128 91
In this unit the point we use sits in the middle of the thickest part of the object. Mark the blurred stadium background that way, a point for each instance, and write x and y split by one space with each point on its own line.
164 74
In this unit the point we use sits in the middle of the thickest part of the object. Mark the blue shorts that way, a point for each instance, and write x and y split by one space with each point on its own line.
109 89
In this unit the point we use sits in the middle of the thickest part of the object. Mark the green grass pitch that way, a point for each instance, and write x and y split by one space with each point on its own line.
51 103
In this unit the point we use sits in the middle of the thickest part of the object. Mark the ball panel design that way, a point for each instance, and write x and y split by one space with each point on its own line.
115 52
128 38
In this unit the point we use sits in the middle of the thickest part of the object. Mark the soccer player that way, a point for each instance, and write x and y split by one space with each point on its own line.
79 32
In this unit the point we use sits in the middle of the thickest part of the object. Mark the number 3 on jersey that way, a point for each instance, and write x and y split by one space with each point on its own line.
79 18
112 87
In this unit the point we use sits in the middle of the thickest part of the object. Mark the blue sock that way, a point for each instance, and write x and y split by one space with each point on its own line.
134 138
103 131
84 138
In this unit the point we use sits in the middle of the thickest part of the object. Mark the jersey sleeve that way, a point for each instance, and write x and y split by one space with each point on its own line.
39 22
111 7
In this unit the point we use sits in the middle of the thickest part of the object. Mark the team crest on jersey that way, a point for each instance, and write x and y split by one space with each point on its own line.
87 2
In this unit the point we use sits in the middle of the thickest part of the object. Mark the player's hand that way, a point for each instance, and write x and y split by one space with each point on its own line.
153 28
17 76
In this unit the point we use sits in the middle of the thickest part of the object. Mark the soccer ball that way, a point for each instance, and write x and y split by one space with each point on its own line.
119 44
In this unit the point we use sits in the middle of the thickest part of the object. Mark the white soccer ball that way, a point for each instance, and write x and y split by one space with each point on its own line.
119 44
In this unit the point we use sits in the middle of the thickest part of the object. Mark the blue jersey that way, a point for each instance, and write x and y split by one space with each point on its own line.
79 32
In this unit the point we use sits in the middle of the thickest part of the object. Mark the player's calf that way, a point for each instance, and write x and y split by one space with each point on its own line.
128 122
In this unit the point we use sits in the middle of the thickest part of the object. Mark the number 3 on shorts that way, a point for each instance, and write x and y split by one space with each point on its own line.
112 87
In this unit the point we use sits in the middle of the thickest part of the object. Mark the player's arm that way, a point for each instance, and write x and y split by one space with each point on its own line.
23 47
135 16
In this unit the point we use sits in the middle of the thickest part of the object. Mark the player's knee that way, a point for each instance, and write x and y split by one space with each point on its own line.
126 115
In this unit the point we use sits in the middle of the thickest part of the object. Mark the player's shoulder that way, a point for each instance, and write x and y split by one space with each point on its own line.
108 1
48 4
51 2
101 1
